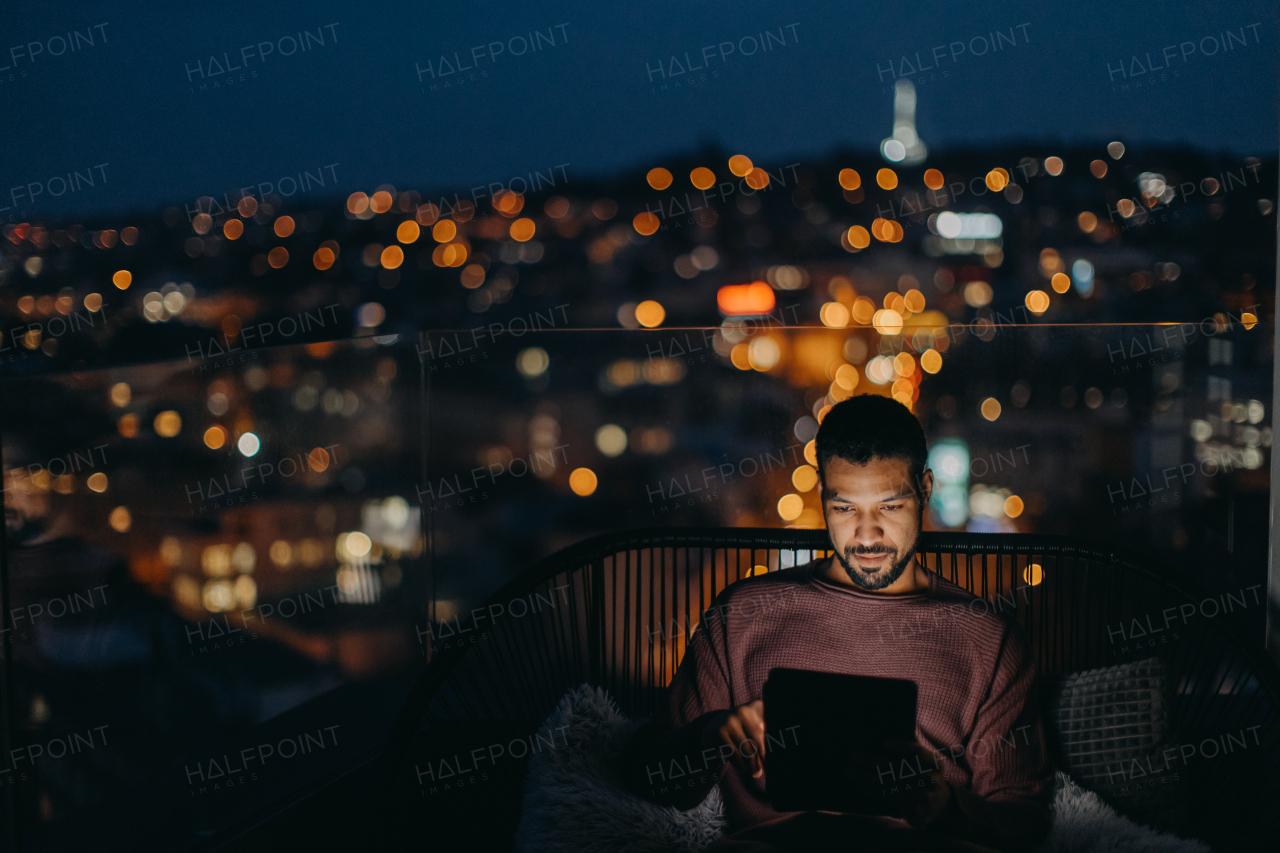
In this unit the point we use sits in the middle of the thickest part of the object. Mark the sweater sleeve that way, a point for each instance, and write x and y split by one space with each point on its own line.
673 760
1007 801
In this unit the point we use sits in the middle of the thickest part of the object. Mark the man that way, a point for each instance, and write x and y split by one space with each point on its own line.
977 776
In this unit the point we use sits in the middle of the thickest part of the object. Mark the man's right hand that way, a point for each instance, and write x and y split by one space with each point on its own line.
742 729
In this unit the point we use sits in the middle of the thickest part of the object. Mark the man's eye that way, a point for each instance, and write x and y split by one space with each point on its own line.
892 507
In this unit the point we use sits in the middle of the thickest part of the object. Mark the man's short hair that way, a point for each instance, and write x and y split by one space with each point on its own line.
869 425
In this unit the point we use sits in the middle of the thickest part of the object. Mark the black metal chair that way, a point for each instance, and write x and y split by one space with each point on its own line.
616 610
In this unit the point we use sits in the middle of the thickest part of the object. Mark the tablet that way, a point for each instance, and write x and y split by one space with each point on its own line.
814 722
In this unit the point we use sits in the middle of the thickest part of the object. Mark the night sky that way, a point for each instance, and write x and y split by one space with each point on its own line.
359 98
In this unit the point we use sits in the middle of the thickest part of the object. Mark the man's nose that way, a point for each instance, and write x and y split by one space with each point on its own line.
869 531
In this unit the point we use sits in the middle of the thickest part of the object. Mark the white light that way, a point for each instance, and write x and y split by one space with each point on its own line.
611 440
1152 183
948 225
395 512
533 362
893 150
904 145
249 444
370 314
358 544
880 370
970 226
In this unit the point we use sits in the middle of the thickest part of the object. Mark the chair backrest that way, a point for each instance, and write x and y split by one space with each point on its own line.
616 611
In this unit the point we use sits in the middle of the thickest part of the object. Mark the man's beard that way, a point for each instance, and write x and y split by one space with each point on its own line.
881 578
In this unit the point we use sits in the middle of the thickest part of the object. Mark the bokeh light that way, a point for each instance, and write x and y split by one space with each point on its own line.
650 314
583 481
659 178
167 424
611 440
702 178
215 437
790 506
248 445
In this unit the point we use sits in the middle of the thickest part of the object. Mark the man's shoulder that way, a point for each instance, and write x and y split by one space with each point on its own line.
994 617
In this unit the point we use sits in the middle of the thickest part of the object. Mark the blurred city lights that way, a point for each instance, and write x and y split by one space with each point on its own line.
248 444
215 437
167 424
790 506
702 178
1082 276
650 314
756 298
611 440
120 519
532 362
659 178
949 461
583 481
968 225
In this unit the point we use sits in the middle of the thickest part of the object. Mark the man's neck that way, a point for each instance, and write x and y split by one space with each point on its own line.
915 578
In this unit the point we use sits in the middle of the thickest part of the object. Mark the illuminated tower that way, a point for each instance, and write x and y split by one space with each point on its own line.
904 146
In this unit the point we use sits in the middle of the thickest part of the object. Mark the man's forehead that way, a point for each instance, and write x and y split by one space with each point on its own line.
885 478
877 491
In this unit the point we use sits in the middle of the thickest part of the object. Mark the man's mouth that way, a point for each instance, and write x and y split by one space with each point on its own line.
871 561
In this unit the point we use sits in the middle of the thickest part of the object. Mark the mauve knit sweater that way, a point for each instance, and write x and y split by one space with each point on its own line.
976 703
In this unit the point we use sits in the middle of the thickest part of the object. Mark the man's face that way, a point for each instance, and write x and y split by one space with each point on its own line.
873 515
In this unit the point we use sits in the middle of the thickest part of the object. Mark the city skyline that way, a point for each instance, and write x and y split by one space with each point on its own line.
306 89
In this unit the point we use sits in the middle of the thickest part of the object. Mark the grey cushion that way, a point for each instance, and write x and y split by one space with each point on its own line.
1108 728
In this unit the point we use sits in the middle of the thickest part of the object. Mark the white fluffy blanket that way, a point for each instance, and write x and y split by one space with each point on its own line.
575 803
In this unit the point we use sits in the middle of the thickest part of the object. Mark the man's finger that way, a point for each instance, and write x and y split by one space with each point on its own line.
753 724
732 734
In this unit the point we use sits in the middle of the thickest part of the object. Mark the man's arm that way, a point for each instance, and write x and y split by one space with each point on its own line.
1007 802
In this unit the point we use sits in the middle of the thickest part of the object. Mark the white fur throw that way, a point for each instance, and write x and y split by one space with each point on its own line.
575 803
1083 823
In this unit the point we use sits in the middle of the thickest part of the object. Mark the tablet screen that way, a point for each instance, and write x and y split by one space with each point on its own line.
815 721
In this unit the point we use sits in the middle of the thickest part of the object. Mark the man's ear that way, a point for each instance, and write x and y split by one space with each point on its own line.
926 486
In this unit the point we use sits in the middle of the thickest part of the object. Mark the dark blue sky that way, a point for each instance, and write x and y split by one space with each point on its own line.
591 99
